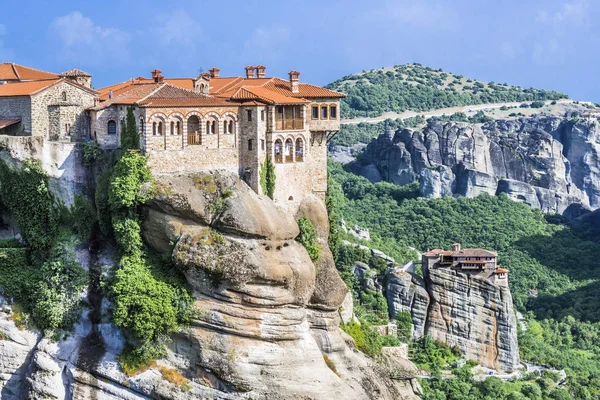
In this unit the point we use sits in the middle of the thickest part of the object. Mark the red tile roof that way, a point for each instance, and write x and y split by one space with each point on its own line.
4 122
501 271
262 90
16 72
161 95
25 88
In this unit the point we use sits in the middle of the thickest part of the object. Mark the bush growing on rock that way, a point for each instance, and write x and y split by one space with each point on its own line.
308 238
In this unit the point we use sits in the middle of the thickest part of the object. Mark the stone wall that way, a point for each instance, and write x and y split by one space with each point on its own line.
62 161
17 107
320 124
71 111
99 124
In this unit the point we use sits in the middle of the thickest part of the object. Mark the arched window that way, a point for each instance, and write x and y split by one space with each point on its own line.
225 127
141 125
213 127
154 128
63 96
112 127
193 130
231 126
160 128
172 128
299 150
288 151
178 128
278 151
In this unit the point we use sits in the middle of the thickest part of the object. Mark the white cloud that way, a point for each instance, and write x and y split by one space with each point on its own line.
419 14
178 29
5 54
572 11
87 43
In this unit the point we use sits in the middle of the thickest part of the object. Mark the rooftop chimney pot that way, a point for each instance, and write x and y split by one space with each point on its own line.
249 72
214 72
456 247
157 75
294 77
260 71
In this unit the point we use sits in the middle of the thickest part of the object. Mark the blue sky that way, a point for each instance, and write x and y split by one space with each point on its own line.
548 44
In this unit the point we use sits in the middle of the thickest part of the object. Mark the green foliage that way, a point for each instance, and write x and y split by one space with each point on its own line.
101 200
125 187
83 218
405 324
334 220
541 251
16 273
25 193
366 339
130 138
92 154
308 238
433 355
267 178
150 298
418 88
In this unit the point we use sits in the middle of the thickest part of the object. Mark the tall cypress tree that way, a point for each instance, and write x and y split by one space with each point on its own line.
130 138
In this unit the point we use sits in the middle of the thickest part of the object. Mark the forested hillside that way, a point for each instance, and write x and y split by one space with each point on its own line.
542 253
419 88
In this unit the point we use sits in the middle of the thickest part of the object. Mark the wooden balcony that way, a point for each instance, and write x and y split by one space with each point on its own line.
194 139
289 124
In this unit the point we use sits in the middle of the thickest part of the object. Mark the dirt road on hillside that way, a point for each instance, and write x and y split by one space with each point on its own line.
435 113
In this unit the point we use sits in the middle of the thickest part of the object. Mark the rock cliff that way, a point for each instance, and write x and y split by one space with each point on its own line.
266 317
547 162
461 310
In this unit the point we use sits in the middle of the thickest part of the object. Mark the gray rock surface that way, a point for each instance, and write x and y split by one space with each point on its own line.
546 162
465 311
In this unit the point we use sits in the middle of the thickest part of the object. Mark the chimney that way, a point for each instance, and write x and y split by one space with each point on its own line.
260 71
294 75
214 72
456 247
249 72
157 75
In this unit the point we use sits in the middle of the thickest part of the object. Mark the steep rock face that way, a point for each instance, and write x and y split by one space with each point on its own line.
547 162
266 315
461 310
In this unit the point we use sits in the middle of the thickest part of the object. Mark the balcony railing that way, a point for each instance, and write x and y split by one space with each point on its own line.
299 157
194 139
289 158
289 124
279 158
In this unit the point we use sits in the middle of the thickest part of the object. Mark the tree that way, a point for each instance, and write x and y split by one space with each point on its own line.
130 138
267 178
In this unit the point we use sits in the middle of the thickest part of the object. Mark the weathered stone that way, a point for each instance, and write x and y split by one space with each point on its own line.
547 162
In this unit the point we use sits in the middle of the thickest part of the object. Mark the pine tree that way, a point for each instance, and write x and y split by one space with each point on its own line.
130 138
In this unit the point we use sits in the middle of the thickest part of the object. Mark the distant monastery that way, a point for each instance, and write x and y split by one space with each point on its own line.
186 124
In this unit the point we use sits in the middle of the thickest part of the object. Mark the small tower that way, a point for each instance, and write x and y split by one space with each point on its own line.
214 72
157 75
78 76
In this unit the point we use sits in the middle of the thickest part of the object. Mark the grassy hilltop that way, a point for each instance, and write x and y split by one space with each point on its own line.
419 88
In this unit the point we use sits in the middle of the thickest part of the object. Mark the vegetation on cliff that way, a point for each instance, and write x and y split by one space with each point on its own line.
41 272
150 298
267 178
419 88
541 251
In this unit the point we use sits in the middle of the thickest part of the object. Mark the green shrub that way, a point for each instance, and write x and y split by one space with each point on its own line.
92 154
130 138
83 217
129 175
308 238
25 193
267 178
102 205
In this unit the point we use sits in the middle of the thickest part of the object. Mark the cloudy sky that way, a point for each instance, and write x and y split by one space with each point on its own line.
550 44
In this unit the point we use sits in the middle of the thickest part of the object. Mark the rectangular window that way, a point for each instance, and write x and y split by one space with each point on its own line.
249 144
333 112
324 112
315 112
262 115
262 144
249 115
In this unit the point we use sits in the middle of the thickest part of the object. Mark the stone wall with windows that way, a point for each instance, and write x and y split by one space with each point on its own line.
100 119
72 103
253 147
324 122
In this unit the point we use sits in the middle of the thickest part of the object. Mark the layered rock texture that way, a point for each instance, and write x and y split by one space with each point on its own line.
547 162
462 310
266 324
